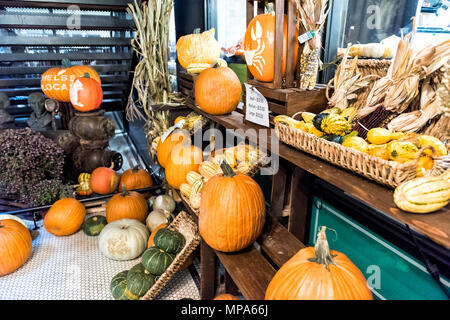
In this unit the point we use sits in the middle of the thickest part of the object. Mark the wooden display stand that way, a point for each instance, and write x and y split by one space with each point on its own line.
186 86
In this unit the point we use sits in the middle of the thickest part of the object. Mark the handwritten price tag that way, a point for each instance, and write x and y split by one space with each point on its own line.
257 108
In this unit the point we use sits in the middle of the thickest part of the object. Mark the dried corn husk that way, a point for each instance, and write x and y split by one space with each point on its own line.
443 91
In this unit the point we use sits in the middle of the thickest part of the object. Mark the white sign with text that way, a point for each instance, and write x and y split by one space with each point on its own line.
257 107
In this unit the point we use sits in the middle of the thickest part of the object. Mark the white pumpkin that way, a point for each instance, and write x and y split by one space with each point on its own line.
164 202
123 239
10 216
157 218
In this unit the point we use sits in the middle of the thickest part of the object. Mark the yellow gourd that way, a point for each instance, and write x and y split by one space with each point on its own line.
439 147
378 151
357 143
402 151
379 136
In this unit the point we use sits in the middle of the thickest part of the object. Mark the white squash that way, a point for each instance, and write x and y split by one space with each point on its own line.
163 203
123 239
156 218
10 216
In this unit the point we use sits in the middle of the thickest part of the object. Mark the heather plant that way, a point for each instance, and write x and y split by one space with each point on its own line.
49 191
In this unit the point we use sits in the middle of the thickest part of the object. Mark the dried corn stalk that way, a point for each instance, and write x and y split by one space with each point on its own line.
443 91
313 14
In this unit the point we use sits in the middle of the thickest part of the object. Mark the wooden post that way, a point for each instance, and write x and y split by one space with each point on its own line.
208 272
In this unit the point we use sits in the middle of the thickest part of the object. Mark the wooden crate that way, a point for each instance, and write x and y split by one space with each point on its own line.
186 86
282 8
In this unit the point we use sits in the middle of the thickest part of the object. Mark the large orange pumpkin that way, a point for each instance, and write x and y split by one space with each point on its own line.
65 217
316 273
127 205
86 94
165 147
218 90
232 211
135 178
56 82
259 47
15 245
183 159
104 180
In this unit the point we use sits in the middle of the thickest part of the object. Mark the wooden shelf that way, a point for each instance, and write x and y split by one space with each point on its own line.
436 225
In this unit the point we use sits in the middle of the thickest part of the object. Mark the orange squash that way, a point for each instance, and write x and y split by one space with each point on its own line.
232 211
183 159
127 205
165 148
316 273
56 82
65 217
15 245
104 180
226 296
135 178
85 94
259 47
150 242
218 90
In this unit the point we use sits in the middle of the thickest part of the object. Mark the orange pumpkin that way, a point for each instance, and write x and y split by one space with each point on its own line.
259 47
15 245
86 94
135 178
65 217
218 90
104 180
183 159
127 205
198 48
150 242
56 82
232 211
226 296
165 148
316 273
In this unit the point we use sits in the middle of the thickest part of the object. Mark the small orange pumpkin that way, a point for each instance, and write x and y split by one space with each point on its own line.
226 296
65 217
182 160
135 178
150 242
316 273
127 205
165 148
15 245
218 90
104 180
85 94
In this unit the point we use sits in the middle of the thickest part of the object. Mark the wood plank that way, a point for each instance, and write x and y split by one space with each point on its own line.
64 41
278 193
86 4
279 36
37 81
291 43
74 56
208 272
100 68
14 92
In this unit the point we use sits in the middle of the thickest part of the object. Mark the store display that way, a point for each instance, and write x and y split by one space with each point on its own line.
65 217
94 225
15 245
104 180
127 205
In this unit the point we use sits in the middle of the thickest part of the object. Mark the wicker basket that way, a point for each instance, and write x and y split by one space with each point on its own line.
184 224
389 173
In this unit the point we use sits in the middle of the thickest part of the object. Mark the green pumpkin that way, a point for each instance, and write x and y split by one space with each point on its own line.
94 225
334 138
139 280
317 120
119 289
168 240
156 261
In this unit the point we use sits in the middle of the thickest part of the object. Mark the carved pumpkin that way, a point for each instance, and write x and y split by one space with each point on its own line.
165 148
232 211
104 180
198 48
15 245
65 217
127 205
56 82
85 94
259 47
135 178
316 273
183 159
218 90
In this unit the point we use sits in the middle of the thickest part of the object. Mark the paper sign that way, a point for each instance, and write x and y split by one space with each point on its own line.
179 125
257 108
306 36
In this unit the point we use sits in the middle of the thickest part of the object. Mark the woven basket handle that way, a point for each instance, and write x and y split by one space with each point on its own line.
296 115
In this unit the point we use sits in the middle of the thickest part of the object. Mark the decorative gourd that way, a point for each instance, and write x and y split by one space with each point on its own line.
232 208
15 245
184 158
402 151
56 82
198 186
94 225
316 273
165 148
446 175
195 200
118 287
438 146
86 94
84 188
218 90
104 180
209 169
379 151
157 218
123 239
135 178
379 136
193 176
198 48
423 195
127 205
186 189
170 241
65 217
150 242
332 124
139 280
356 143
259 47
156 261
226 296
12 217
164 203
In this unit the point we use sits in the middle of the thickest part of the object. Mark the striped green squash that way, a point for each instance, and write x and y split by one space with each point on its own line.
168 240
139 280
119 289
94 225
156 261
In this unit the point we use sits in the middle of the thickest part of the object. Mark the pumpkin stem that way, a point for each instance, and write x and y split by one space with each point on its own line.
322 250
86 75
124 191
270 7
136 168
66 63
227 170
